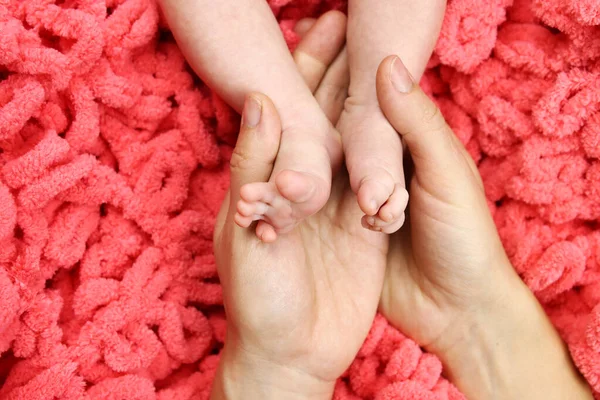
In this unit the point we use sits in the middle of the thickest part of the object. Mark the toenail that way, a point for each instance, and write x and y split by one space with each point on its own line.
371 221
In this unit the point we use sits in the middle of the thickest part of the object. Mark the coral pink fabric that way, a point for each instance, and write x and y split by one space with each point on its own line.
113 162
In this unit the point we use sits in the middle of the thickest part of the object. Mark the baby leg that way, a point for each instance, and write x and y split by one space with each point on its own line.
373 149
237 48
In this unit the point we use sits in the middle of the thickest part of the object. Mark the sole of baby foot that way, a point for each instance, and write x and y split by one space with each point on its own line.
282 204
383 202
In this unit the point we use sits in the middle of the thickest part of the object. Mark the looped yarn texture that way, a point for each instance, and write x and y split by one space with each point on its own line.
113 164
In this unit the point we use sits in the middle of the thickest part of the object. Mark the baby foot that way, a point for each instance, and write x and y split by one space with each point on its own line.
310 148
374 160
299 186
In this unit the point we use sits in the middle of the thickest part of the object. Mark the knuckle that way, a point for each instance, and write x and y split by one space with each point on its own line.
432 118
430 113
240 159
310 67
332 90
329 95
349 103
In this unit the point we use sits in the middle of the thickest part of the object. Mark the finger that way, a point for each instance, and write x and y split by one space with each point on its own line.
333 90
257 145
221 216
439 159
319 47
304 26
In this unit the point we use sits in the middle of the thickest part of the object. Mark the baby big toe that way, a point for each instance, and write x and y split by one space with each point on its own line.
373 193
306 192
394 226
297 187
389 216
394 207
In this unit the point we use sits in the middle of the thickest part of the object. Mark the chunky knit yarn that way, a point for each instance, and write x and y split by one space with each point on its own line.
113 164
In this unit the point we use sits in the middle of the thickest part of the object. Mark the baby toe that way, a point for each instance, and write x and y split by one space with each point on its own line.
366 223
306 192
373 193
393 226
377 224
281 216
242 221
265 232
245 209
263 192
394 207
296 187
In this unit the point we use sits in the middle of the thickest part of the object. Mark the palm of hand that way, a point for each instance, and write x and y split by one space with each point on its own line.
293 297
444 257
308 300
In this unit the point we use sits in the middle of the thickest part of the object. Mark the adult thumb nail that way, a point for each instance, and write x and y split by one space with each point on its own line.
252 112
400 77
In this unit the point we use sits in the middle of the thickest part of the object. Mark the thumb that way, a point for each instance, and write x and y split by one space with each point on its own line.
441 162
257 145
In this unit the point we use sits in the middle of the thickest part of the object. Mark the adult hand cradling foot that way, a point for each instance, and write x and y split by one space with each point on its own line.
449 284
299 308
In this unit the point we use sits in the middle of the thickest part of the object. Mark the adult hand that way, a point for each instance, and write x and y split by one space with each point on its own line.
298 309
449 284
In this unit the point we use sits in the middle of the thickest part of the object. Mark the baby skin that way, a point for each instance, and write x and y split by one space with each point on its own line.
372 148
237 48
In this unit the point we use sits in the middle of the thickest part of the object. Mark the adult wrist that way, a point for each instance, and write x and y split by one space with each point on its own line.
510 350
242 375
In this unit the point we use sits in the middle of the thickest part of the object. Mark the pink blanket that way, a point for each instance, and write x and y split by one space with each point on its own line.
113 162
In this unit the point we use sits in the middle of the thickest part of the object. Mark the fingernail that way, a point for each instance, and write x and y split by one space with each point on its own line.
400 76
252 112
